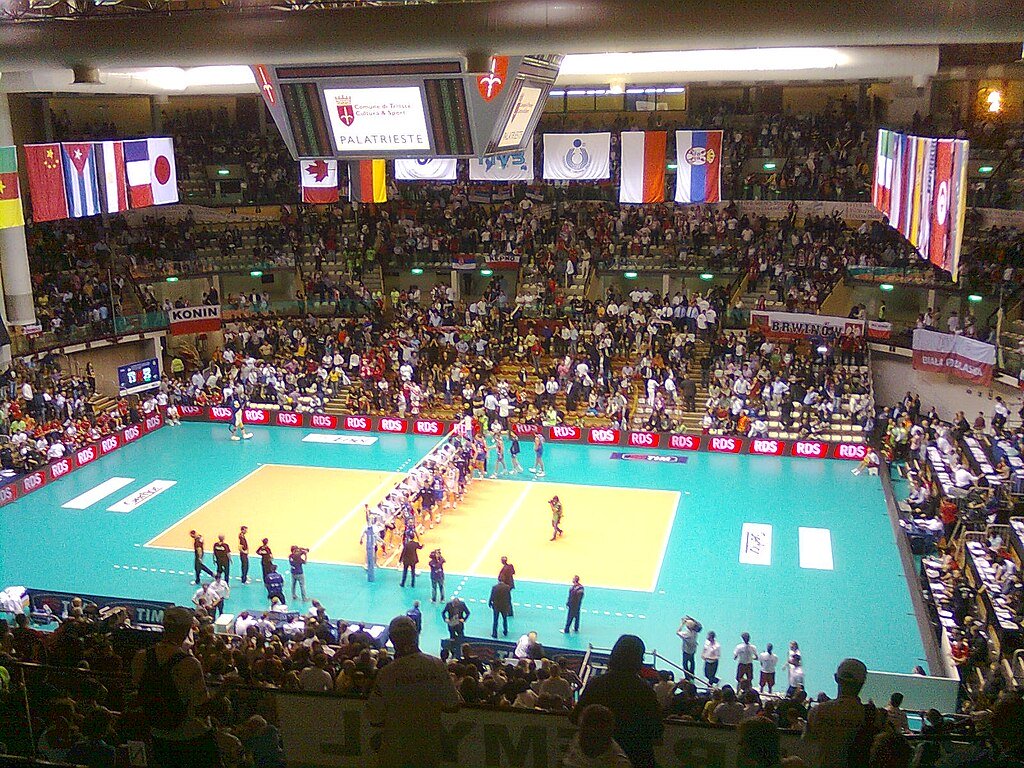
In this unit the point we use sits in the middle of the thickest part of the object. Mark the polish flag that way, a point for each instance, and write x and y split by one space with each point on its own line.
642 177
139 172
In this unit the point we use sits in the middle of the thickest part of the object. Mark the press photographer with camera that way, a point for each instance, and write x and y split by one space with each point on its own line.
297 561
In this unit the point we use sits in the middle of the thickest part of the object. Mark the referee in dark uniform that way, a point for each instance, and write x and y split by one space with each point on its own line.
243 553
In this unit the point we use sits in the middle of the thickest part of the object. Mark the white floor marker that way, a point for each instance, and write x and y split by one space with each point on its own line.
318 437
141 496
756 544
816 548
101 491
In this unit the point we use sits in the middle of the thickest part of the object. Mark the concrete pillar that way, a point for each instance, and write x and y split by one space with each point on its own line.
48 132
456 286
910 95
931 298
17 280
666 285
156 116
261 110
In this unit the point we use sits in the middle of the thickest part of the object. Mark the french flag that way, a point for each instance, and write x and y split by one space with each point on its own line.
139 172
698 166
642 176
112 175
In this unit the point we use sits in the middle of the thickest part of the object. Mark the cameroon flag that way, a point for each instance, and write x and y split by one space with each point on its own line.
367 181
11 214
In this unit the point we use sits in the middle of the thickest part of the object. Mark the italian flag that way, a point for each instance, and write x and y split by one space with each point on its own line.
884 165
11 214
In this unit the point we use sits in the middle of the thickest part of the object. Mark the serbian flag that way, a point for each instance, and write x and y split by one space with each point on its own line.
46 182
367 181
112 177
319 180
642 178
139 173
698 166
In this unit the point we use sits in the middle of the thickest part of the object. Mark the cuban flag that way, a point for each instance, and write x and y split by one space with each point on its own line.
698 166
140 173
81 182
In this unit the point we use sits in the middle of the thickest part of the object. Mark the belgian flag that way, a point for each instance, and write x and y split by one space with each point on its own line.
11 214
367 181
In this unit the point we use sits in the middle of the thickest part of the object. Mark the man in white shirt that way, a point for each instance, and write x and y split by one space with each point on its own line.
315 677
744 654
768 663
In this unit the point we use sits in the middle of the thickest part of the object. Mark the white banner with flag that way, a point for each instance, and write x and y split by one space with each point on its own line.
319 180
509 166
426 169
577 156
954 354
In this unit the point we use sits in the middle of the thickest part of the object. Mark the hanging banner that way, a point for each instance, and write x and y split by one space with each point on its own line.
426 169
510 166
955 355
194 320
577 156
793 325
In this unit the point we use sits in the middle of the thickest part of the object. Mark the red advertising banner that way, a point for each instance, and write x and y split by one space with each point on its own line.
61 467
255 416
190 410
393 425
220 413
33 481
109 443
526 430
130 434
288 419
323 421
644 439
603 436
563 432
359 423
684 442
9 493
809 449
765 447
428 427
849 451
86 455
725 444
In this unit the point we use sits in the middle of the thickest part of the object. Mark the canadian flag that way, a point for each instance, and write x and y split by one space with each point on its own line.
319 180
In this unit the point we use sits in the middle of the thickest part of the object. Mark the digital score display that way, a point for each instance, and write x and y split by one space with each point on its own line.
138 377
376 120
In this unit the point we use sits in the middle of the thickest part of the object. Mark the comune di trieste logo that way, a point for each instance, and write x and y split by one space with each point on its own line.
346 113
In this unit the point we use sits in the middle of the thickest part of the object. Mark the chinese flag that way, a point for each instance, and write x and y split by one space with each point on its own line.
46 182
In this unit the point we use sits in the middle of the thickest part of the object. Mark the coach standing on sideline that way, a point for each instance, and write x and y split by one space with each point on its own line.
297 561
500 603
574 604
243 553
410 557
222 558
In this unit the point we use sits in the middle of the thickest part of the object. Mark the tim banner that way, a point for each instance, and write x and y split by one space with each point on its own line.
147 614
203 319
485 738
955 355
793 325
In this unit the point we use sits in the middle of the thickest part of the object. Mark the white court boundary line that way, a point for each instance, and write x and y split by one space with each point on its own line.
668 535
97 493
357 508
486 550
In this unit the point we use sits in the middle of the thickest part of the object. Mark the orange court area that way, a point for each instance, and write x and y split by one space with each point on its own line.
603 542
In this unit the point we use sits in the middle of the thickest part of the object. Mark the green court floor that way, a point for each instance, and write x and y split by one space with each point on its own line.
822 565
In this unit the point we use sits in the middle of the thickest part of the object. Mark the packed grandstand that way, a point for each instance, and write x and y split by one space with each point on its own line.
489 316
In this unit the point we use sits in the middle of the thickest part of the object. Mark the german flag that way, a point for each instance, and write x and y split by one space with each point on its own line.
11 214
367 181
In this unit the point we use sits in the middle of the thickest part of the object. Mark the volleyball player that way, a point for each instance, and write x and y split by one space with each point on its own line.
556 517
513 452
237 422
499 455
538 456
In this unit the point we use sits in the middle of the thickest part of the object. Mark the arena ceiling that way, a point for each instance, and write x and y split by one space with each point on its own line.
901 36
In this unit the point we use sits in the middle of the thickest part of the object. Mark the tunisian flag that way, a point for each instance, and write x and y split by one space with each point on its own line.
46 182
319 180
642 178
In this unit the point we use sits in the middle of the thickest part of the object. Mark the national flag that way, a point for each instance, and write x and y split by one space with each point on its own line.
958 207
112 177
367 181
139 173
319 180
642 175
939 211
577 156
698 166
884 157
46 182
164 170
896 193
918 171
11 214
81 180
426 169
